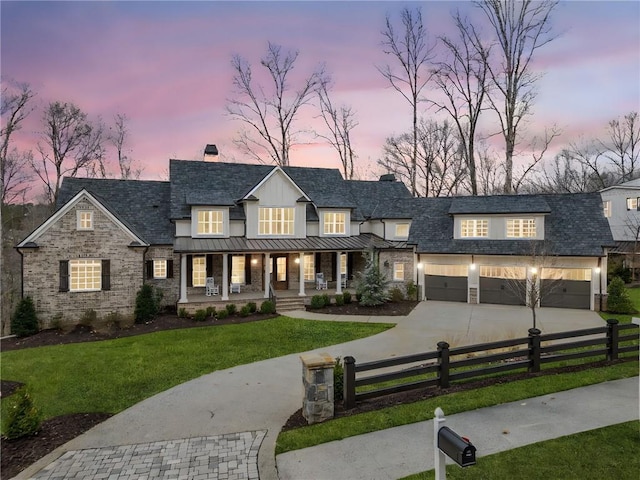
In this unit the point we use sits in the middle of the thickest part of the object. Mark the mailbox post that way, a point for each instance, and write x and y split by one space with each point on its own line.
447 443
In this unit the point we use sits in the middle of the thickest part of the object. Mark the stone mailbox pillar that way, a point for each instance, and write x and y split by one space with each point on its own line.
317 377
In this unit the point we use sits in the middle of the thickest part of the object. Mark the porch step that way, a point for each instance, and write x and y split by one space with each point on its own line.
288 304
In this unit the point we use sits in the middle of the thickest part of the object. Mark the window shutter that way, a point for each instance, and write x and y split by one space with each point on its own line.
106 274
334 272
170 268
64 275
189 270
247 269
149 269
318 269
209 263
350 265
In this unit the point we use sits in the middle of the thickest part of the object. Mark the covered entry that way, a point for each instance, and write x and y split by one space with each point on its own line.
503 285
566 288
446 282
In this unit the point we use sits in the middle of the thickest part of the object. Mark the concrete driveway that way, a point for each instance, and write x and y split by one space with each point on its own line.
261 396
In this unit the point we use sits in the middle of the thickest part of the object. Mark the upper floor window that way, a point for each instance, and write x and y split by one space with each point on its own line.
210 222
85 219
607 208
309 267
632 203
85 275
402 230
521 228
334 223
276 221
474 228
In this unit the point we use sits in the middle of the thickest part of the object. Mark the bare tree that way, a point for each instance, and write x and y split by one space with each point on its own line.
462 77
15 107
340 121
410 50
622 148
270 113
489 175
119 136
565 175
521 28
538 148
71 144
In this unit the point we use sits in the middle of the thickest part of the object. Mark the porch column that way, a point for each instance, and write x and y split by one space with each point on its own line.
301 265
267 274
183 279
339 274
225 276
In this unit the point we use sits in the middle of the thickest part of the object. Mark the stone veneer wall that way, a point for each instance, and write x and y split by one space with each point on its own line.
62 241
170 287
393 256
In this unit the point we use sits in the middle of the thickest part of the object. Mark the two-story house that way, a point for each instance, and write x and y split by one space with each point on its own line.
223 228
621 204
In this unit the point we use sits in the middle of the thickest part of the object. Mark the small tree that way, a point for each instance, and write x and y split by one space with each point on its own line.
619 300
372 285
25 321
23 418
147 303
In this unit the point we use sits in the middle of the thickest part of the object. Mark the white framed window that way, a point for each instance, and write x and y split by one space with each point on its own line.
472 228
210 222
199 271
309 267
85 219
237 269
335 223
159 269
85 275
402 230
276 221
521 228
607 208
632 203
398 271
343 264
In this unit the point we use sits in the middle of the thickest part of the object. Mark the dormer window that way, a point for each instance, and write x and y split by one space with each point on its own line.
210 222
85 219
334 223
474 228
402 230
521 228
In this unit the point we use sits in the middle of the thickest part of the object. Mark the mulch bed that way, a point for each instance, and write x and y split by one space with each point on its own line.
19 454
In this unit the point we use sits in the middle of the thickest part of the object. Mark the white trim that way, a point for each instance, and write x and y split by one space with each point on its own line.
268 176
67 207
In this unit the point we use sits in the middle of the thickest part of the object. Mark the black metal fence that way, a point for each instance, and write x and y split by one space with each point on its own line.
446 365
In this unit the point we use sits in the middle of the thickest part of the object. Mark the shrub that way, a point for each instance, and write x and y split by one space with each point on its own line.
89 317
339 300
412 290
245 311
23 418
372 283
619 300
347 297
396 294
268 307
253 308
147 303
200 315
231 308
182 312
211 311
317 301
326 299
616 268
25 321
222 314
338 381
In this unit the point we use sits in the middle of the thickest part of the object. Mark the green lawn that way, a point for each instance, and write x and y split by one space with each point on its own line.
109 376
605 453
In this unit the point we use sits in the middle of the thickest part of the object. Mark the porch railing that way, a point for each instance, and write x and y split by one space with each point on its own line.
272 294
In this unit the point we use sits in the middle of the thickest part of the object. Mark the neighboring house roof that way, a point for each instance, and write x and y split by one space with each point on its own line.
631 184
574 226
143 206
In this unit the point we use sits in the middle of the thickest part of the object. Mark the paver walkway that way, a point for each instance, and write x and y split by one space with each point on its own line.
221 457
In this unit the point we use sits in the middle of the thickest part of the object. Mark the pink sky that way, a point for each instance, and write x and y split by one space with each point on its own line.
166 65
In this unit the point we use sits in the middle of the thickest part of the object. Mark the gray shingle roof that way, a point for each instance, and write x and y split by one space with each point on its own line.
499 204
574 226
377 199
143 206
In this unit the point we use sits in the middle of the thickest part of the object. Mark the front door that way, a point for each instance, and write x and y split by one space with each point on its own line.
279 272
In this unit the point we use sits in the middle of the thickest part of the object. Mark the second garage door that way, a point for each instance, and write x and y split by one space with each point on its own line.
502 285
446 282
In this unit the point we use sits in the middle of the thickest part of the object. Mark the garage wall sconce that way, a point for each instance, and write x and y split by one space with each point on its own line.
598 270
533 270
472 266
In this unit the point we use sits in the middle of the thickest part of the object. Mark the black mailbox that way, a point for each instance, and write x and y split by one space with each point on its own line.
459 449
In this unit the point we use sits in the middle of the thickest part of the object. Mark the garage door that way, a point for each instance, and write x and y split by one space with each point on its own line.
566 288
502 285
446 282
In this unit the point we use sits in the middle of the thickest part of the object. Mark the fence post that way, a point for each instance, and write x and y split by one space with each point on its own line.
612 339
349 392
443 364
534 350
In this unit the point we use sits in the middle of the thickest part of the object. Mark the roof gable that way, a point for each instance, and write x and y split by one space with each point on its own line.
269 177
